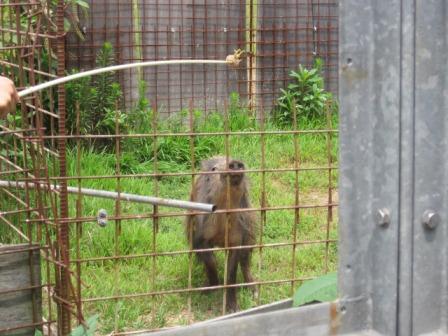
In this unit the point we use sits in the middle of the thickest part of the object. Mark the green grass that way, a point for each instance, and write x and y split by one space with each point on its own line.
134 276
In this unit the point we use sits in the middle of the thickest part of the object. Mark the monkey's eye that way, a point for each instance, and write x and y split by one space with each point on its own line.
240 165
214 168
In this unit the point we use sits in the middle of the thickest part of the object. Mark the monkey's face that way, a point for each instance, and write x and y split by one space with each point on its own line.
234 172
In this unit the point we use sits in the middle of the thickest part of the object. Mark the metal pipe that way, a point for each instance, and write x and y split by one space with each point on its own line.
122 196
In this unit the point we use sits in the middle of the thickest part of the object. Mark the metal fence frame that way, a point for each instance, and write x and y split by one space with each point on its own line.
51 215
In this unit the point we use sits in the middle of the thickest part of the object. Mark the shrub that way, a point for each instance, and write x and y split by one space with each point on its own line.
98 99
308 95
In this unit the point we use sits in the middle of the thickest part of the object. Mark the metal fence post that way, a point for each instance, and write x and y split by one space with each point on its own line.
369 172
393 152
63 238
430 197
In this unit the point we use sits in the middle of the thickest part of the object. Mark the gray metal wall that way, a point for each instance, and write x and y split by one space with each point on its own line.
393 277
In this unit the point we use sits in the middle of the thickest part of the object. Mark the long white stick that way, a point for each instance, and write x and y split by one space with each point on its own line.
231 59
66 79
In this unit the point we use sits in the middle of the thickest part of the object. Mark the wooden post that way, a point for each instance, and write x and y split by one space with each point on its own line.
20 289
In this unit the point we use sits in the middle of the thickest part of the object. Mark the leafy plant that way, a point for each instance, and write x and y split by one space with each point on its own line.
97 98
305 95
321 289
107 91
79 94
139 121
141 116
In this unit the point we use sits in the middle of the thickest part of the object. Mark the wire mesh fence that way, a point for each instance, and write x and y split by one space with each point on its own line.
146 132
282 34
29 47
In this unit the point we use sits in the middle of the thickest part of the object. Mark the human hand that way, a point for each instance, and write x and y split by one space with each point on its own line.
8 96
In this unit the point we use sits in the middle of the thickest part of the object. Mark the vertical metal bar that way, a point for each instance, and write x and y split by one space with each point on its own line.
193 46
106 10
190 227
24 119
229 33
327 52
407 171
316 29
263 200
118 49
63 239
368 270
39 159
309 33
117 289
273 56
181 32
78 228
329 114
204 55
285 53
92 36
169 47
296 195
227 224
156 53
51 98
252 83
216 33
155 227
240 42
429 87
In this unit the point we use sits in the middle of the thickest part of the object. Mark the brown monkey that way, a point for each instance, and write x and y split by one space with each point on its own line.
209 230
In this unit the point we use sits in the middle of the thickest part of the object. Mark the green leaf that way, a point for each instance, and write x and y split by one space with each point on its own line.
82 3
321 289
91 322
37 332
312 72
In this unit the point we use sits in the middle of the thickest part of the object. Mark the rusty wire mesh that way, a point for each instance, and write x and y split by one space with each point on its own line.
137 270
31 52
282 34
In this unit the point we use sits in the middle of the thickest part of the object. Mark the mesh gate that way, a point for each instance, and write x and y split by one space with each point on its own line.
153 128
